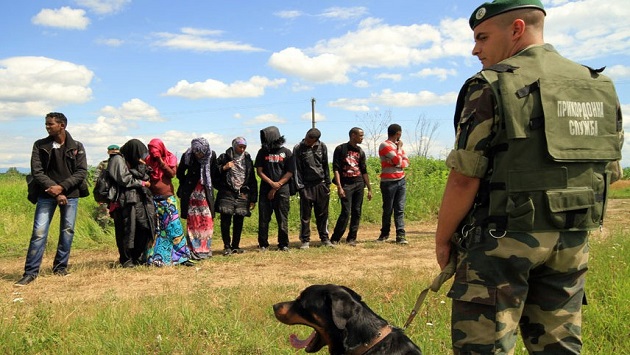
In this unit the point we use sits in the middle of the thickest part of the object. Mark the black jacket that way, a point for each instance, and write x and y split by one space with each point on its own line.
75 183
229 200
311 165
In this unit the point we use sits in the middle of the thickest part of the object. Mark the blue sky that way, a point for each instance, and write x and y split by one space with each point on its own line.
122 69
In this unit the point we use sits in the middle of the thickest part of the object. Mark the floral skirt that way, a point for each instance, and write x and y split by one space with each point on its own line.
199 223
170 245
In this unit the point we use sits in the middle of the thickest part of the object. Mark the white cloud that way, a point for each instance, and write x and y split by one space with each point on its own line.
65 17
178 141
325 68
308 116
110 42
625 112
104 7
199 40
413 99
441 73
30 86
394 99
266 118
618 72
357 105
361 84
392 77
254 87
132 110
607 33
344 13
374 45
289 14
116 125
547 3
299 87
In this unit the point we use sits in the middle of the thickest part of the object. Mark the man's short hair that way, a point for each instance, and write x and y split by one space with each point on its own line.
393 129
354 130
313 133
59 117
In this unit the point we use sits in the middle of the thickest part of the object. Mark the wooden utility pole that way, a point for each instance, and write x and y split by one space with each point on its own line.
313 112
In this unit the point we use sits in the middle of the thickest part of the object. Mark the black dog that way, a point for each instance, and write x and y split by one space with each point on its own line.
343 322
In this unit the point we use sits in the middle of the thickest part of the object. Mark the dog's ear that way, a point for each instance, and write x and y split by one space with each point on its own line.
343 307
356 296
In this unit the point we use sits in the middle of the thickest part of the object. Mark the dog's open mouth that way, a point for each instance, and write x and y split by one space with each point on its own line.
311 344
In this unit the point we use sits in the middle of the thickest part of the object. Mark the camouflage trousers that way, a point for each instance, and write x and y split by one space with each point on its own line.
528 281
102 215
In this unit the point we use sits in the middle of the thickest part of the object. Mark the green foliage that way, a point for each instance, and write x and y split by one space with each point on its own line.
608 292
621 190
16 221
425 185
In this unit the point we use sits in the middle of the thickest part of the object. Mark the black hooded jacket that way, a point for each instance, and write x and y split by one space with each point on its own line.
274 159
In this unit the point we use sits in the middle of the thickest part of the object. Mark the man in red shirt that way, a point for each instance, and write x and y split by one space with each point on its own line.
393 183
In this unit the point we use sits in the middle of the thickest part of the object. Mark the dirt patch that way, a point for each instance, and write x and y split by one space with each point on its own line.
94 275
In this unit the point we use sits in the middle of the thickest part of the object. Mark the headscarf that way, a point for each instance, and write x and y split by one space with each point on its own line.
237 173
133 151
200 145
168 158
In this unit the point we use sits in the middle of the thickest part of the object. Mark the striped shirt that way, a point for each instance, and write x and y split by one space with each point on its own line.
393 161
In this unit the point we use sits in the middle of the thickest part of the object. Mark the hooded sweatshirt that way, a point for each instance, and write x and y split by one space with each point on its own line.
273 157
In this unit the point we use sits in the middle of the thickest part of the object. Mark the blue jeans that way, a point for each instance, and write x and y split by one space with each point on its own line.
394 198
44 212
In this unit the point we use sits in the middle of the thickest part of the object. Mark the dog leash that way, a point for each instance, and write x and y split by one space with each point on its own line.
440 279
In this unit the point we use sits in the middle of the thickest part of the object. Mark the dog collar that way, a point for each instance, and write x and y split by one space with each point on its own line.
363 348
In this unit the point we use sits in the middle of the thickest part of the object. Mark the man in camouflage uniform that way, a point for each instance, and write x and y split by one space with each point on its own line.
510 274
102 210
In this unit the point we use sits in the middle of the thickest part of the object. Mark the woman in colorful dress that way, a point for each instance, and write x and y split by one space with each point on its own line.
197 165
237 192
171 247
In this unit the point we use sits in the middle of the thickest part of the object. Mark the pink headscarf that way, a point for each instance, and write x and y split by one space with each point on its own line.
157 146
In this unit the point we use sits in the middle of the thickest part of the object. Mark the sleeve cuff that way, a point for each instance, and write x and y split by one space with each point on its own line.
467 163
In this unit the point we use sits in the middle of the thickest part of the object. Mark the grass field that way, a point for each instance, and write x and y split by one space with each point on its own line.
223 305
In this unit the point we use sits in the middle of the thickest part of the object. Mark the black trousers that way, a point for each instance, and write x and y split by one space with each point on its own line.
316 198
226 222
119 233
351 206
278 206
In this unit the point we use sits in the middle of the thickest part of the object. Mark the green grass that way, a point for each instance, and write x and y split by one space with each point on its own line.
622 193
238 319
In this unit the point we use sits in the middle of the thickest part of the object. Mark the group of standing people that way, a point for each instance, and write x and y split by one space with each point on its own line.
143 203
305 170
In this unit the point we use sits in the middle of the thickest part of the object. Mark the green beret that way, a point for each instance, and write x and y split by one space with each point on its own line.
113 147
497 7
